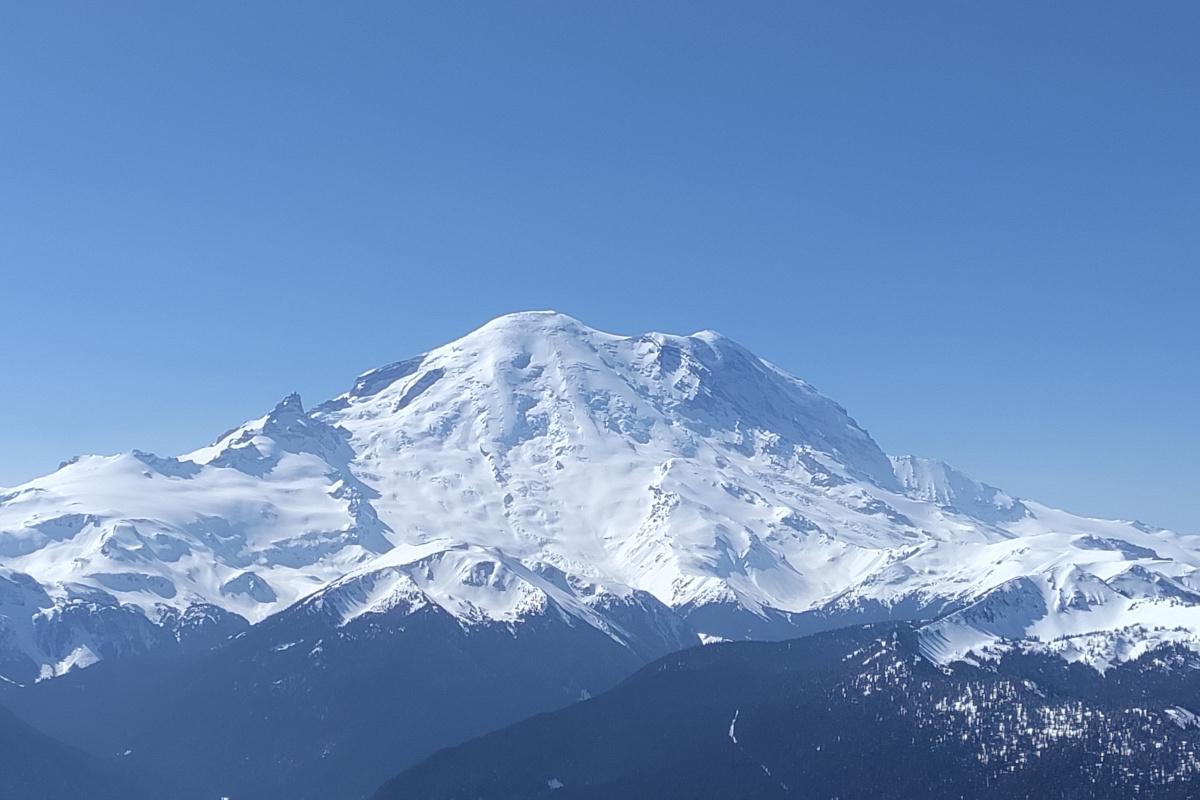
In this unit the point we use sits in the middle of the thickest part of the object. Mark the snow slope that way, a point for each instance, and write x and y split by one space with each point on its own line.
538 460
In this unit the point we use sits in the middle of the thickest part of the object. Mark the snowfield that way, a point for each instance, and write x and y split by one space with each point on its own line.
538 462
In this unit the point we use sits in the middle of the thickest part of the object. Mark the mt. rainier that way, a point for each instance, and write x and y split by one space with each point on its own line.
651 488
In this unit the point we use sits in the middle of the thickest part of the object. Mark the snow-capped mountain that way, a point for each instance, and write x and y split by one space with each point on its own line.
539 464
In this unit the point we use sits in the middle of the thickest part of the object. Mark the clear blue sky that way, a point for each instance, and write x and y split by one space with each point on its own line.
975 225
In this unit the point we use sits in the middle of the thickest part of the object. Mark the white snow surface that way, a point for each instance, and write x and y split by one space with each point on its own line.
537 461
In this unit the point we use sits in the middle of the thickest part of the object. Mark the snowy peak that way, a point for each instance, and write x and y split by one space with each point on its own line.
532 374
484 587
257 447
937 482
473 584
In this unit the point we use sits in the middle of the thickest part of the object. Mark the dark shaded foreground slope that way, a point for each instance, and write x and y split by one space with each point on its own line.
856 713
303 706
33 766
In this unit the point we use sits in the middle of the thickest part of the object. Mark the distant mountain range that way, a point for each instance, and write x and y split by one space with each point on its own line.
504 525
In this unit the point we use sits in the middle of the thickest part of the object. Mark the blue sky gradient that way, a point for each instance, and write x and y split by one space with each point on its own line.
975 225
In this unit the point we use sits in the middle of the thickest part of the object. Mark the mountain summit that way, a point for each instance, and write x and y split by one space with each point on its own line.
625 482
